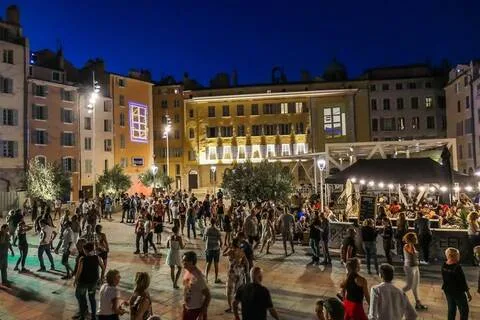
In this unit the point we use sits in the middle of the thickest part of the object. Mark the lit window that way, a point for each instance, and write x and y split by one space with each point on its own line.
42 160
270 150
284 107
241 152
298 107
211 153
227 153
285 149
138 122
428 102
301 148
256 151
334 122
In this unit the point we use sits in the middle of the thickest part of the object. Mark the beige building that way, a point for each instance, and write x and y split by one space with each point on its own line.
463 114
14 52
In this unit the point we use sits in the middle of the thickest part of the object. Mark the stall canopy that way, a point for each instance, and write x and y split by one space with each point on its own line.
399 171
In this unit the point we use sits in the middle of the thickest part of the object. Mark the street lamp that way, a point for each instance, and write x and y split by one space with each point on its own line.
166 132
321 163
154 169
213 169
91 110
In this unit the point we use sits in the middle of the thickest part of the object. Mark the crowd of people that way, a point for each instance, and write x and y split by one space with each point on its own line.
240 232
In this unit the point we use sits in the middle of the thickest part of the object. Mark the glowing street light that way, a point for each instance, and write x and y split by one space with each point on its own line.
322 164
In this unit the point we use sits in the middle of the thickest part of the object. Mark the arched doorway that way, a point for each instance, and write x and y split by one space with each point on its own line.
192 180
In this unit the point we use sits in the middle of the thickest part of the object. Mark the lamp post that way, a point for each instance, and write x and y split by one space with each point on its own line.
166 132
154 169
321 163
91 110
214 177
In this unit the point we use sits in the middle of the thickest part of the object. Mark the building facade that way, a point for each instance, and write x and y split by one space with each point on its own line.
406 102
463 114
13 102
53 117
132 123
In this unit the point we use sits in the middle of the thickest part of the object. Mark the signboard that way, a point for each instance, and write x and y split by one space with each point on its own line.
368 208
137 162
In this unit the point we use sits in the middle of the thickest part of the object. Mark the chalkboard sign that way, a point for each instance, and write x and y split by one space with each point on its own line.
368 205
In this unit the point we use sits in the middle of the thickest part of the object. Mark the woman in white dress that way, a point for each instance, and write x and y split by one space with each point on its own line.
174 245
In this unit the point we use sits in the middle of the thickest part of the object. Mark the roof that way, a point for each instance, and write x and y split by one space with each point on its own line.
398 171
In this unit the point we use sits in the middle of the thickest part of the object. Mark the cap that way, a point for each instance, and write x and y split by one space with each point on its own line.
334 307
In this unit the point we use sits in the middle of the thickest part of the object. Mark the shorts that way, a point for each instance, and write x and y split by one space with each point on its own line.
212 255
286 236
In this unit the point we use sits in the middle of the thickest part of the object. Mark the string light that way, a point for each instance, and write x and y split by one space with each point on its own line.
362 181
381 185
390 186
410 188
443 189
468 188
371 183
456 188
353 179
421 188
432 189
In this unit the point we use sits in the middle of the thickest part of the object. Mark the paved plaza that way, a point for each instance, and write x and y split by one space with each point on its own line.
294 286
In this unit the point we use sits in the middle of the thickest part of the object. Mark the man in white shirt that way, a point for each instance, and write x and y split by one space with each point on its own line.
388 302
47 234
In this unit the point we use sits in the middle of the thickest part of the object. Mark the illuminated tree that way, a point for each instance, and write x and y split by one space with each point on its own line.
113 181
47 181
148 179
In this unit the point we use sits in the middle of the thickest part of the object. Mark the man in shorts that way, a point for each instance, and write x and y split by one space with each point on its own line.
213 243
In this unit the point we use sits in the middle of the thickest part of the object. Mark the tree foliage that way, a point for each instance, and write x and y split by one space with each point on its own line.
113 181
160 180
47 182
263 181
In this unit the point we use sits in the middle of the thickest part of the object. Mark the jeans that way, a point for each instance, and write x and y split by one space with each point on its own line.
370 248
326 253
3 266
424 241
80 293
139 236
124 213
412 280
148 240
191 225
387 247
45 248
23 255
314 244
454 301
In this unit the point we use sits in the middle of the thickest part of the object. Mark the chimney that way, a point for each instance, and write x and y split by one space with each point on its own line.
13 15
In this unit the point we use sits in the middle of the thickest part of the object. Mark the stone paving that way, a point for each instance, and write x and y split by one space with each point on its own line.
294 286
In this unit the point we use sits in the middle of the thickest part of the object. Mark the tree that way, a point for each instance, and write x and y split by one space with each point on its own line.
148 179
264 181
47 181
113 181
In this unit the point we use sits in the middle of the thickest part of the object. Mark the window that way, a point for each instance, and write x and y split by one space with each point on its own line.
123 162
107 145
176 118
87 143
241 131
301 148
270 129
299 128
67 115
7 56
67 95
373 87
399 103
176 103
468 126
226 131
428 85
122 119
386 104
254 109
414 102
240 110
428 102
467 102
241 152
42 160
177 169
284 128
385 87
107 125
88 166
399 86
212 132
459 106
191 155
211 111
270 150
122 83
121 100
176 134
269 108
256 130
284 108
256 151
457 87
334 122
460 128
190 113
8 117
8 149
40 91
416 123
164 104
374 125
430 122
211 153
401 124
412 85
298 107
122 141
40 137
373 104
387 124
55 76
39 112
68 139
68 164
465 81
285 149
107 106
225 111
6 85
191 133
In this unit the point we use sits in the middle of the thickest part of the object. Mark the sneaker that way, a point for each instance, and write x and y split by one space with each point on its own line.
52 268
42 270
16 268
136 252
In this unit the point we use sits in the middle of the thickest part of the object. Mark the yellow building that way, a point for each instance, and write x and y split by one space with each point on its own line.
132 123
223 126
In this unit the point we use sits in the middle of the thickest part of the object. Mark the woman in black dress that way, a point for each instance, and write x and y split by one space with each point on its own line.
158 222
227 227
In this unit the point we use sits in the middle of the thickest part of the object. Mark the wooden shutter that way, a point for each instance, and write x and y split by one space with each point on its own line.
34 113
45 109
73 139
291 107
10 85
46 137
1 116
15 149
15 117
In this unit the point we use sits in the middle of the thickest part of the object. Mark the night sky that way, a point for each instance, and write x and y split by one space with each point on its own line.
206 37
